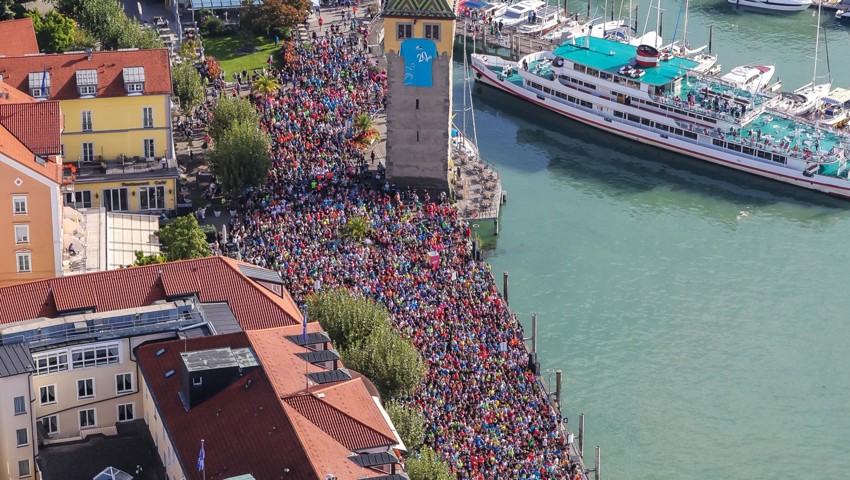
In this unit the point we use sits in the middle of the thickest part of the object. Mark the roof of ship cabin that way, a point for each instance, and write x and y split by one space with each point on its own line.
609 56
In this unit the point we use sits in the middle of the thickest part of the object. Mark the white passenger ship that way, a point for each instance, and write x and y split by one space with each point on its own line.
659 100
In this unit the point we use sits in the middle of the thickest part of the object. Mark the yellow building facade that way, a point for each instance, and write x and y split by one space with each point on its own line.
117 131
117 127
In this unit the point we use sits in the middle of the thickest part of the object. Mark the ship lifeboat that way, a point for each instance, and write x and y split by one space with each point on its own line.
637 73
647 56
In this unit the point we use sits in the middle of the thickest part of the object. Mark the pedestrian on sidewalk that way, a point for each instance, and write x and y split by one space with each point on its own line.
321 22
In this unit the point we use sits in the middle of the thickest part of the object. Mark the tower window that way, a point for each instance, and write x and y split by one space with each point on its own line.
417 135
417 104
404 30
432 31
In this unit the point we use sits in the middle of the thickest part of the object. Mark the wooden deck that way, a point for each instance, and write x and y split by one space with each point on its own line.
511 44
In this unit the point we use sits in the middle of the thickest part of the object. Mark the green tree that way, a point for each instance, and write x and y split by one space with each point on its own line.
272 16
107 22
428 466
57 33
154 258
265 86
187 86
183 239
229 111
347 319
389 360
366 131
355 229
410 424
240 157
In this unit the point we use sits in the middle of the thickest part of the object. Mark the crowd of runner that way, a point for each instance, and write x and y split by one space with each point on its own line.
486 412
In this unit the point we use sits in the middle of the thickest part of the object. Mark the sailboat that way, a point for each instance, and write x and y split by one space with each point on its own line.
804 99
707 62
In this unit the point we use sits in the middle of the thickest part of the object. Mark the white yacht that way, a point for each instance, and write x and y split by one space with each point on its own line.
774 5
518 13
545 19
834 109
750 77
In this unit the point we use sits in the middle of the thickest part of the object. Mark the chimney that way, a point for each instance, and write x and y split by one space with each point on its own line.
204 373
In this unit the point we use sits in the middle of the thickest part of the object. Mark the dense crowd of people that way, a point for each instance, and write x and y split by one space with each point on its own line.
486 412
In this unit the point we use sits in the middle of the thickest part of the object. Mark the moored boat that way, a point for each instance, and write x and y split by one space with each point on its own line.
543 20
751 77
640 95
518 13
774 5
834 108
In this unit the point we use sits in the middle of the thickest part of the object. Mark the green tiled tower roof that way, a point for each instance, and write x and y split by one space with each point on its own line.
418 8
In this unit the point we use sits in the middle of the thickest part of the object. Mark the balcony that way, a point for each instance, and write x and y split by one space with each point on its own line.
130 168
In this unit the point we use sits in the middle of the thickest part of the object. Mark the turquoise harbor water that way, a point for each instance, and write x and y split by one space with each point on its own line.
699 314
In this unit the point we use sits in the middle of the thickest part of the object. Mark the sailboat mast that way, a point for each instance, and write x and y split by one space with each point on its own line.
817 47
465 79
685 29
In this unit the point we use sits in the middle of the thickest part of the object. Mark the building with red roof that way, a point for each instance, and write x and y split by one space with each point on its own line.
208 349
30 201
117 122
18 37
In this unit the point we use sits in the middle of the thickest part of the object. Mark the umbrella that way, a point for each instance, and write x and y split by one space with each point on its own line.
139 4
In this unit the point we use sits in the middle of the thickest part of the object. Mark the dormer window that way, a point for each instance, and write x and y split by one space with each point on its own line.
87 83
134 80
39 84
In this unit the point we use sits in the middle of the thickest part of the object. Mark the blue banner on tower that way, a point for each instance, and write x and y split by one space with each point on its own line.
418 56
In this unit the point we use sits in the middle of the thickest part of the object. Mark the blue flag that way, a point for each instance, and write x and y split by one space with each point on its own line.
43 79
304 329
201 456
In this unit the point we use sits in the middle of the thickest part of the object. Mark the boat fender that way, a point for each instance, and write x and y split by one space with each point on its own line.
474 214
484 59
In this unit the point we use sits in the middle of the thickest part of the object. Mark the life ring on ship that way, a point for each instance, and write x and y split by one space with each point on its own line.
484 59
474 214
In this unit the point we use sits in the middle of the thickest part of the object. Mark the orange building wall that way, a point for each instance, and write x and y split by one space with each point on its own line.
40 218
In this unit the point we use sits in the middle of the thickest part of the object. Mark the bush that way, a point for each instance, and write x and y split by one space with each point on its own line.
211 27
389 360
428 466
347 319
410 424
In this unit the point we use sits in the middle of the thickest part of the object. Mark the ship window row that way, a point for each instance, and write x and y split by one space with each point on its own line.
577 82
604 76
750 151
561 95
677 111
660 126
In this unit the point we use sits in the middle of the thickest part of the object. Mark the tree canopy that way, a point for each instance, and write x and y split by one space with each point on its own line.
187 86
410 424
428 466
272 16
389 360
240 157
228 111
347 319
183 239
152 259
57 33
107 22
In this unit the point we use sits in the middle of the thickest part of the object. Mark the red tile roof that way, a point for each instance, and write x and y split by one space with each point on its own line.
13 148
244 430
18 37
62 69
253 430
351 433
38 125
219 280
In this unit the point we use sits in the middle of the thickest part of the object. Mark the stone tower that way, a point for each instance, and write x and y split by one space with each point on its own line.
418 40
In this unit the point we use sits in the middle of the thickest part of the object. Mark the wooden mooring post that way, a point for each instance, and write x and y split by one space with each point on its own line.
534 333
558 378
581 434
505 287
597 470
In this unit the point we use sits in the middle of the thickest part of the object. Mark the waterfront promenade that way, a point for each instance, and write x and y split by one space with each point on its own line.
487 413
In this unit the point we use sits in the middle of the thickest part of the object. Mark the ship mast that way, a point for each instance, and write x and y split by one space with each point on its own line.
817 47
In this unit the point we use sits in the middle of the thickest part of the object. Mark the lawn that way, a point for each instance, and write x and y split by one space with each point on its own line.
224 49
